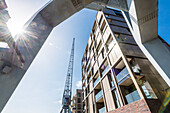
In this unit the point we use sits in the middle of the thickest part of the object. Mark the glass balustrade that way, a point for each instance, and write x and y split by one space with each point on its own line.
105 70
99 95
96 81
102 110
134 96
125 78
88 62
88 71
83 80
122 74
90 78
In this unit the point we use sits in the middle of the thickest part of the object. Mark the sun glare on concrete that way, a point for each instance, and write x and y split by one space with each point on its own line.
15 27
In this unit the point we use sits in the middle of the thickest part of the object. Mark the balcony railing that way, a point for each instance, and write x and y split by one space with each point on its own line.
83 80
122 74
102 110
105 70
134 96
99 95
88 71
97 80
90 78
123 79
88 62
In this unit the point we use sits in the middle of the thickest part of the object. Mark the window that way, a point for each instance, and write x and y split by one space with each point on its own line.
106 15
109 20
100 19
96 79
130 93
115 98
111 80
109 43
148 90
121 72
119 37
94 27
79 94
103 53
79 106
99 47
104 68
103 27
118 13
79 100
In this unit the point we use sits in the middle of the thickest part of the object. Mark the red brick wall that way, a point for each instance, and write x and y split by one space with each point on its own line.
139 106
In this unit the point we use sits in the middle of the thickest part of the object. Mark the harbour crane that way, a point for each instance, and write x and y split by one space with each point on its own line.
66 101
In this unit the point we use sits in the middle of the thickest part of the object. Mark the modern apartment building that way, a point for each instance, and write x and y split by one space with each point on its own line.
116 76
76 102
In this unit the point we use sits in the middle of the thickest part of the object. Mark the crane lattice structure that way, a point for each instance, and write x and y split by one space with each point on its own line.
66 101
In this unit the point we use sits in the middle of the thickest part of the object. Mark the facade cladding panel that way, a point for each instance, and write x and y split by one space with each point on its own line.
116 75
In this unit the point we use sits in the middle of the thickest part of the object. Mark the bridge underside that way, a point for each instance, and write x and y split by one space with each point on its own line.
141 16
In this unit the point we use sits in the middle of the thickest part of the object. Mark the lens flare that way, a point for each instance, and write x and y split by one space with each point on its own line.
15 27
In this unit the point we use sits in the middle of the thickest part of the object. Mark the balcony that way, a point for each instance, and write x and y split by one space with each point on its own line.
124 79
106 68
73 109
90 79
88 71
134 96
98 96
73 103
83 80
96 81
121 74
102 110
112 85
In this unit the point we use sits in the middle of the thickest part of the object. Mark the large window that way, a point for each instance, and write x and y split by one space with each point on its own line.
79 100
103 27
112 85
121 72
109 43
104 68
96 79
125 83
115 98
141 78
79 94
79 106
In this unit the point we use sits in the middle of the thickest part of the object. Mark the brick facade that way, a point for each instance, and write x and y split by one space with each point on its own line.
139 106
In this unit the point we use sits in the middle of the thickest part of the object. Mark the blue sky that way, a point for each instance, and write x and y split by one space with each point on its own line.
40 91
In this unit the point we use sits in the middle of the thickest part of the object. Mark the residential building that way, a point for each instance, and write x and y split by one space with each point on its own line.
116 75
76 102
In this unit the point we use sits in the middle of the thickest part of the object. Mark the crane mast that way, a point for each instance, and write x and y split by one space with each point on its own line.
66 101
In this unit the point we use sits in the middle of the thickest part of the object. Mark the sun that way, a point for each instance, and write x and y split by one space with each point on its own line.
15 27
